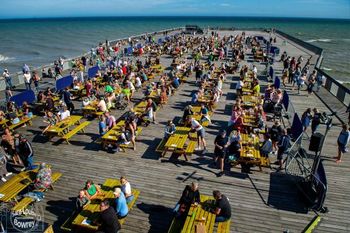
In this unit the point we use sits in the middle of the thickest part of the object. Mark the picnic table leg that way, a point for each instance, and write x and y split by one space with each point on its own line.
185 156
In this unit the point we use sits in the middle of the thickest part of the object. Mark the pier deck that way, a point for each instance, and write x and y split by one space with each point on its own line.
261 202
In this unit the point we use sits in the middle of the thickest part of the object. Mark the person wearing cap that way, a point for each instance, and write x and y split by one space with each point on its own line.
221 142
43 178
107 220
120 203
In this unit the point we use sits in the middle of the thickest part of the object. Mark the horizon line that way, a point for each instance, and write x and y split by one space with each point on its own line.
171 16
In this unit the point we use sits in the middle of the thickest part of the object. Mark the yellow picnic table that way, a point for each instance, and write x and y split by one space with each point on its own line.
10 189
140 108
199 215
86 219
91 109
113 134
63 126
250 100
3 123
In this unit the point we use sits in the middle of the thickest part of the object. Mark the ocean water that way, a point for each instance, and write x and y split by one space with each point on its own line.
41 41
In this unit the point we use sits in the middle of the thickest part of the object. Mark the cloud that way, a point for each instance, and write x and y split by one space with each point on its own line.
225 4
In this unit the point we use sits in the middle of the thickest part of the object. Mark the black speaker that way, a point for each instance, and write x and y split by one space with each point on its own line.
316 142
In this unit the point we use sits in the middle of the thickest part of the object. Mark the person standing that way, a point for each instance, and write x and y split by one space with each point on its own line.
283 145
306 119
316 120
219 151
36 79
27 80
8 79
343 140
67 98
26 153
222 207
196 126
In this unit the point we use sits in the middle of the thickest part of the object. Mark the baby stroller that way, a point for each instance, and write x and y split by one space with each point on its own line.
121 103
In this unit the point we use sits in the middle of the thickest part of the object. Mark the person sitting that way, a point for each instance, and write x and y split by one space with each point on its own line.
43 178
110 120
204 112
195 97
107 220
49 103
121 205
102 106
51 120
170 129
102 126
3 164
82 200
92 190
123 139
64 113
190 195
126 189
187 112
222 207
266 147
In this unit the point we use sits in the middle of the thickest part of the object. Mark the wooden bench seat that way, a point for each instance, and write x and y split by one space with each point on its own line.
160 147
25 201
74 131
49 229
22 122
224 227
131 204
190 147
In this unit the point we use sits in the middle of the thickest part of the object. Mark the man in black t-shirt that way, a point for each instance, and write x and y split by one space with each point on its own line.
222 207
108 219
219 151
67 98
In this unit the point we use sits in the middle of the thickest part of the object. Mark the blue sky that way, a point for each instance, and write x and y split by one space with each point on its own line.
78 8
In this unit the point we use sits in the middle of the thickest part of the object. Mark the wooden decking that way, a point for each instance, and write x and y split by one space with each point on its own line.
261 202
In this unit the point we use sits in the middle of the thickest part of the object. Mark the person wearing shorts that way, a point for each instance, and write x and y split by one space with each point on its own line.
196 126
219 151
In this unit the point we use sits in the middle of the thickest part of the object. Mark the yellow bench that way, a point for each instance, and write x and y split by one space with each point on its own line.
49 230
224 227
131 204
160 147
22 122
71 133
24 202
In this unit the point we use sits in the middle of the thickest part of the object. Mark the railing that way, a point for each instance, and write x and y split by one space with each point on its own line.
335 88
17 78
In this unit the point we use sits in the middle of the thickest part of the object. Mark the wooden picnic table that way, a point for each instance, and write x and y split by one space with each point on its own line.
250 100
3 123
90 213
200 215
113 134
10 189
62 127
86 219
91 109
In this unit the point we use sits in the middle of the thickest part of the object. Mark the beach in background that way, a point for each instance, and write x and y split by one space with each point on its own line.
41 41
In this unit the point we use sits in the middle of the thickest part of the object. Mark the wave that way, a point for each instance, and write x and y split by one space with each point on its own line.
4 58
319 40
326 69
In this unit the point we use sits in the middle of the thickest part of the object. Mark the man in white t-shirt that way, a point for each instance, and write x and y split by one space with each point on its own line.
196 126
27 80
64 113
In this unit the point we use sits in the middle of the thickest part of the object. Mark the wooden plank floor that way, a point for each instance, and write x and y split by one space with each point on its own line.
261 202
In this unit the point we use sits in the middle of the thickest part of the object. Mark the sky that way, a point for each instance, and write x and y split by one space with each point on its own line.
82 8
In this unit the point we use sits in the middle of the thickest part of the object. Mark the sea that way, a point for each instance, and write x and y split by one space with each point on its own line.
37 42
